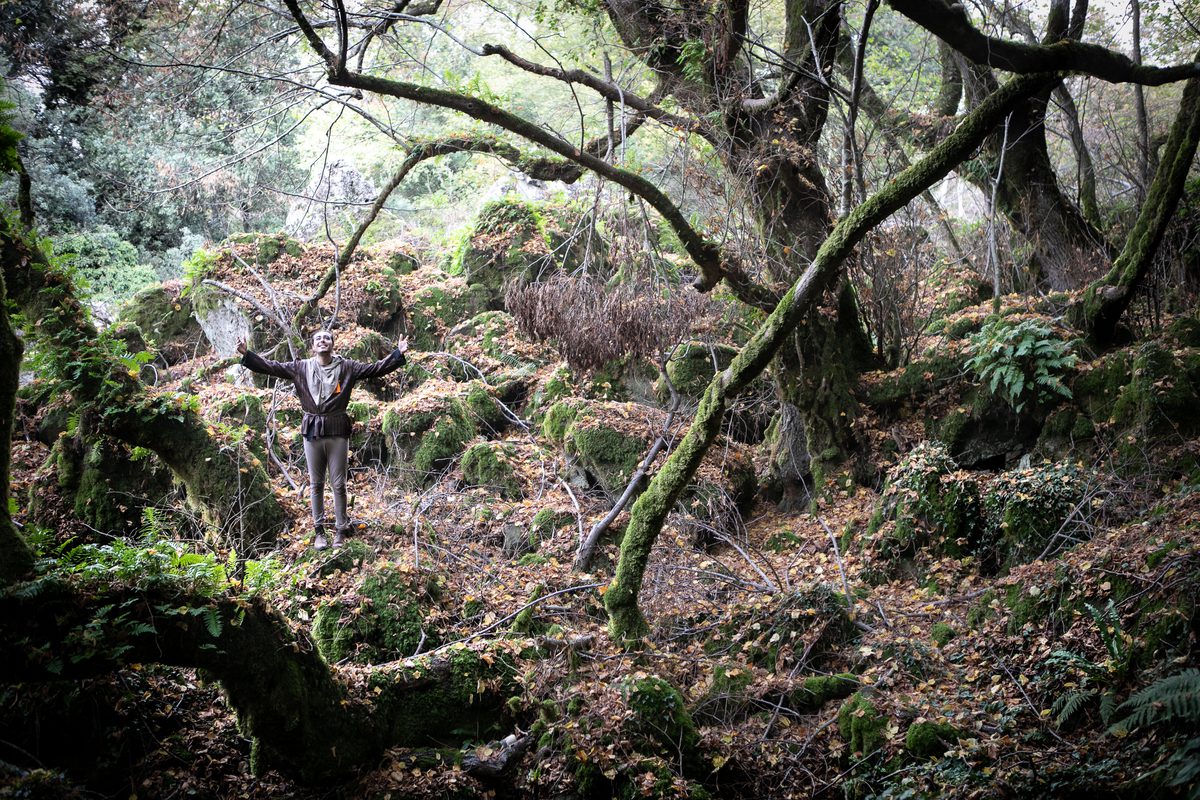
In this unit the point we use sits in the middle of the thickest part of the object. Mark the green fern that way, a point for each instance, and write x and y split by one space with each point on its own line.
1069 703
1175 698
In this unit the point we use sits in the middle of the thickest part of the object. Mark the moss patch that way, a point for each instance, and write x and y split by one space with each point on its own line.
861 725
386 619
490 464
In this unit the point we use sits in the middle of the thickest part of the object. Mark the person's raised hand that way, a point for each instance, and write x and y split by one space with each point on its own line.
241 347
402 344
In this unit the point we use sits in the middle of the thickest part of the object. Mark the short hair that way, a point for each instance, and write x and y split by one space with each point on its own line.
322 330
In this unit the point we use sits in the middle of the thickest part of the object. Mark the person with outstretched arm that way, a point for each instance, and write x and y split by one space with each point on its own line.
323 383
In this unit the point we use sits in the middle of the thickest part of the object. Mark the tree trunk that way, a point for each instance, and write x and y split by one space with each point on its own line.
1105 301
650 511
1065 248
16 559
227 484
301 720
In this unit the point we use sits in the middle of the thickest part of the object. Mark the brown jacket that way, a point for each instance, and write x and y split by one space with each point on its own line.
329 418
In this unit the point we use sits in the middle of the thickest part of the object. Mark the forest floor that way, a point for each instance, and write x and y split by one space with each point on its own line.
1022 667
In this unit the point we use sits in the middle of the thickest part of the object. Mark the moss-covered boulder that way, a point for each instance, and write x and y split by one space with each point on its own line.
508 242
459 697
350 556
861 724
926 739
661 719
491 465
381 299
692 366
269 247
548 389
427 429
368 443
718 497
107 484
773 631
162 314
817 690
435 306
489 346
927 502
1029 512
390 615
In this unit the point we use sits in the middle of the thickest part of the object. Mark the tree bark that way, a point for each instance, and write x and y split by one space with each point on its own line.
224 481
650 511
1065 247
16 559
1105 301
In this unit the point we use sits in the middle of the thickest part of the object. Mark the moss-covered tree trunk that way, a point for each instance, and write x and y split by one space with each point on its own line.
16 559
300 718
1106 300
650 511
223 480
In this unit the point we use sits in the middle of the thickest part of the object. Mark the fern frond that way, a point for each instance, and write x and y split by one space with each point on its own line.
1174 698
1067 704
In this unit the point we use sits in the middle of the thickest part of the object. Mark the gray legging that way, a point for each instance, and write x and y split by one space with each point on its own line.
332 452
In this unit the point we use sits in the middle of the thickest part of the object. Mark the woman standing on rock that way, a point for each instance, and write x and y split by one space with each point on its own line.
323 383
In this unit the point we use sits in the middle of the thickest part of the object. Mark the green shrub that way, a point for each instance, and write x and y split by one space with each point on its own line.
108 265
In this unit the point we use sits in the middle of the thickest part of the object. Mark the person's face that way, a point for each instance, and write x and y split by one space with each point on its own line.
322 342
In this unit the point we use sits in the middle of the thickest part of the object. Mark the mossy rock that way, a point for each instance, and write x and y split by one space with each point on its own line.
107 486
426 433
369 346
942 634
931 503
692 367
984 432
367 440
1160 400
382 300
466 699
920 378
772 632
243 409
403 263
1098 384
1026 508
609 455
551 389
350 556
490 465
519 541
507 242
436 307
164 317
629 379
861 725
485 410
930 739
269 247
817 690
489 345
715 508
661 719
1186 330
559 418
386 619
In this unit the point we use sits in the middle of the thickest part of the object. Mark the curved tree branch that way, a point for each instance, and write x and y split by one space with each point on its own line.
949 22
